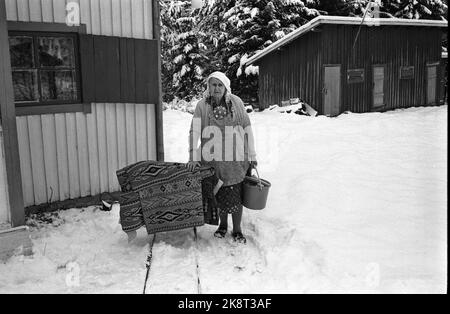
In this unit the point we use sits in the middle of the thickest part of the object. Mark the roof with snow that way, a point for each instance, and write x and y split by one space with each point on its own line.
343 20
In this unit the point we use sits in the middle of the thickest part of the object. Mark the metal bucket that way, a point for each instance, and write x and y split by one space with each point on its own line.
255 191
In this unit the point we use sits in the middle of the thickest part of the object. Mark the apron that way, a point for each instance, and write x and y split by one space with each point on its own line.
232 173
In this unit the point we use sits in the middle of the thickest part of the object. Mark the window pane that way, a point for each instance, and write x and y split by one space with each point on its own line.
25 85
58 85
21 50
56 52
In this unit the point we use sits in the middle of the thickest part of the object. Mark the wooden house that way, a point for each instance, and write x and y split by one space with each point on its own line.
339 64
80 95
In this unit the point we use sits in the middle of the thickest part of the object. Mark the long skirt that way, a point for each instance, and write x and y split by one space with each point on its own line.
229 198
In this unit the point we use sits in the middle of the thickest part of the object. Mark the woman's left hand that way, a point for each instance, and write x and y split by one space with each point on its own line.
193 165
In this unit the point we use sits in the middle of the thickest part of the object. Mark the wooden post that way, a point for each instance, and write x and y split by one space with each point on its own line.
159 105
8 120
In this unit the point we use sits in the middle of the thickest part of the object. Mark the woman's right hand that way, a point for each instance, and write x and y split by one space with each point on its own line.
193 165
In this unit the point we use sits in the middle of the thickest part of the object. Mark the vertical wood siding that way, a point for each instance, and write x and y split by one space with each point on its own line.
292 72
297 70
74 155
392 46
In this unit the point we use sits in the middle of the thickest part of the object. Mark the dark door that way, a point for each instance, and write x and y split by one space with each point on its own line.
332 90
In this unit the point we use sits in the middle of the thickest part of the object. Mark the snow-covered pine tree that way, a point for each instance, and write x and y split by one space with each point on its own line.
211 23
183 51
342 7
416 9
240 28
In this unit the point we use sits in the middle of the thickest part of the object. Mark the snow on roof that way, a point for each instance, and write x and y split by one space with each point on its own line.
344 20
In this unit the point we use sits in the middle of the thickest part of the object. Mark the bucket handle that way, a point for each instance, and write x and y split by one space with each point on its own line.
260 185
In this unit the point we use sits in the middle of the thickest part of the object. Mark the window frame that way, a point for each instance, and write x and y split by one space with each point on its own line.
40 68
36 29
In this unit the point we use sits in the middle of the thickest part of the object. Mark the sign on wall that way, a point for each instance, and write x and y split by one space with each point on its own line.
355 76
406 72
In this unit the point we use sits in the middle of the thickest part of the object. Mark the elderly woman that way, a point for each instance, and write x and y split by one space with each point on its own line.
219 119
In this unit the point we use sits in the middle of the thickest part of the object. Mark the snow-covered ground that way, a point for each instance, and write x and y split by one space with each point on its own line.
358 204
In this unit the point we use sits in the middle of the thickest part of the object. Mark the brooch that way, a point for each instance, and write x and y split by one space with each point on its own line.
219 112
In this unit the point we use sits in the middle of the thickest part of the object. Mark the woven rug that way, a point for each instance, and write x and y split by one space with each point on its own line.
131 217
166 196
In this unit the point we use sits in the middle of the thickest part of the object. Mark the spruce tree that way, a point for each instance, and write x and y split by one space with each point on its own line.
240 28
183 52
416 9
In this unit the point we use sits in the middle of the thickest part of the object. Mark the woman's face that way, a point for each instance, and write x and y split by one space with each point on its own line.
216 88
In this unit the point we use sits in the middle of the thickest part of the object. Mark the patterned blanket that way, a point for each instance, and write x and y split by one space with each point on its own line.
166 196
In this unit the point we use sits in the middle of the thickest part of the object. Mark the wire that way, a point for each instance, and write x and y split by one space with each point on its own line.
359 29
199 286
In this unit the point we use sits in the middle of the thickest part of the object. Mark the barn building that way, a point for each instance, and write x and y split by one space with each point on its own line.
338 64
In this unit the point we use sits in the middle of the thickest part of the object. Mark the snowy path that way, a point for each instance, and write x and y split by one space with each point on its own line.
223 260
173 266
219 260
227 266
358 203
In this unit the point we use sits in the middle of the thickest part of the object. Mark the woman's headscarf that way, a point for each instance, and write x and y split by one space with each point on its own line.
221 77
239 109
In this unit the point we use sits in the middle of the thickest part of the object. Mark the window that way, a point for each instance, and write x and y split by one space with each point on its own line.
58 68
406 72
355 76
44 68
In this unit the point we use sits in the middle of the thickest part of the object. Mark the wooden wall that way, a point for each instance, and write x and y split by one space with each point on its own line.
4 202
393 46
74 155
124 18
292 72
296 70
